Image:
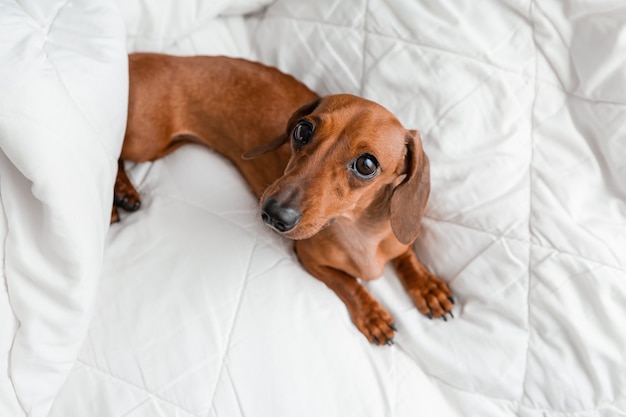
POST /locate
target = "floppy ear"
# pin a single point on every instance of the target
(265, 148)
(279, 141)
(409, 198)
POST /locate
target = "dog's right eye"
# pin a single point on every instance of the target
(303, 132)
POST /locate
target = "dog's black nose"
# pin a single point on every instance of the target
(280, 217)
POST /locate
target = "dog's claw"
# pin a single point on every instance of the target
(451, 300)
(127, 202)
(451, 315)
(444, 318)
(393, 327)
(130, 205)
(388, 342)
(136, 205)
(429, 315)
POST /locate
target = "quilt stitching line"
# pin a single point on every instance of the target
(561, 85)
(391, 397)
(512, 72)
(477, 255)
(232, 383)
(33, 20)
(492, 233)
(395, 38)
(167, 42)
(523, 393)
(45, 31)
(455, 102)
(364, 50)
(532, 78)
(447, 384)
(226, 219)
(143, 389)
(199, 25)
(56, 15)
(516, 403)
(498, 236)
(235, 393)
(94, 129)
(152, 395)
(136, 406)
(233, 323)
(528, 242)
(576, 413)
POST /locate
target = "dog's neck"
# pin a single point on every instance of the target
(366, 231)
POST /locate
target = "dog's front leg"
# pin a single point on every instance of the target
(430, 294)
(366, 313)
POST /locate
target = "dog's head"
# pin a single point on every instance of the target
(351, 158)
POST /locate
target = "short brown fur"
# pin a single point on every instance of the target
(349, 226)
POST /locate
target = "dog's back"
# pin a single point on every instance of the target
(228, 104)
(352, 193)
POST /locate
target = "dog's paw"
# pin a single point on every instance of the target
(129, 202)
(125, 196)
(375, 323)
(433, 298)
(124, 193)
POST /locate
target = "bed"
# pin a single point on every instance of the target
(191, 307)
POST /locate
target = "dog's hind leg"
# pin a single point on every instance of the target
(125, 195)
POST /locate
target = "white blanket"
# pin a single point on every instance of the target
(191, 307)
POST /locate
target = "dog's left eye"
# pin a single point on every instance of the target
(365, 166)
(303, 132)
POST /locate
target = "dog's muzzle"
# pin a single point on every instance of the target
(282, 218)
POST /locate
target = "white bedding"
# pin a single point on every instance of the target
(191, 307)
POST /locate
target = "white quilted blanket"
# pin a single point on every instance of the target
(190, 307)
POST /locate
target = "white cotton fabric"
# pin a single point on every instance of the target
(63, 79)
(199, 310)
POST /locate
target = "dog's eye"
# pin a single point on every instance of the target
(365, 166)
(303, 132)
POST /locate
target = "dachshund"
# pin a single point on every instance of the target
(338, 174)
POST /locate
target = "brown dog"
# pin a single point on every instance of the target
(350, 188)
